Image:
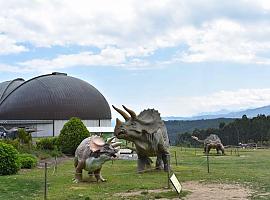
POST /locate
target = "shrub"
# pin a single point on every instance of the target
(71, 135)
(25, 138)
(27, 161)
(15, 143)
(9, 163)
(49, 143)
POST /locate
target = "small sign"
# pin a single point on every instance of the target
(176, 183)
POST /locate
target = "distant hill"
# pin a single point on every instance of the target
(238, 114)
(175, 127)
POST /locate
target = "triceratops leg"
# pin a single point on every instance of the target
(221, 148)
(78, 172)
(143, 163)
(159, 162)
(208, 148)
(217, 148)
(165, 158)
(205, 149)
(98, 175)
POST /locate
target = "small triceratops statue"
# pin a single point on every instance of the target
(149, 134)
(91, 154)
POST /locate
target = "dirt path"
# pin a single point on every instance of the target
(207, 191)
(203, 191)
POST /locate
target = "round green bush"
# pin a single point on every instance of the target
(73, 132)
(9, 162)
(27, 161)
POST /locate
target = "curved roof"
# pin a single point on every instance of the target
(8, 86)
(54, 96)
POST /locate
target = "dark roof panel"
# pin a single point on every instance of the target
(54, 96)
(8, 86)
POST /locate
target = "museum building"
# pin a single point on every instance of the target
(48, 101)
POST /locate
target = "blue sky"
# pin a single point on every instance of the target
(181, 57)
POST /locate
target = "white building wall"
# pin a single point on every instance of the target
(44, 130)
(105, 122)
(58, 124)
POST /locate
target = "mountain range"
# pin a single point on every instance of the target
(225, 114)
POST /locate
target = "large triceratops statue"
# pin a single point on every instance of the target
(149, 134)
(91, 154)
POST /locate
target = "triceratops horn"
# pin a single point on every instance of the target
(131, 112)
(110, 140)
(125, 115)
(116, 144)
(118, 123)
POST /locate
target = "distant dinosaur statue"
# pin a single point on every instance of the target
(211, 142)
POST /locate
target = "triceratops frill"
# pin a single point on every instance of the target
(149, 134)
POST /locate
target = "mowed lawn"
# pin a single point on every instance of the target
(250, 168)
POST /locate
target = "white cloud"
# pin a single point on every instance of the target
(228, 100)
(221, 40)
(210, 30)
(109, 56)
(9, 46)
(9, 68)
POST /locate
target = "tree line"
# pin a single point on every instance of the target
(175, 127)
(243, 130)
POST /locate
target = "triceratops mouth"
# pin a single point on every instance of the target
(122, 133)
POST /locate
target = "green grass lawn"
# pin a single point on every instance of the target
(251, 168)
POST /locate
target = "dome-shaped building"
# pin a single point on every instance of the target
(47, 102)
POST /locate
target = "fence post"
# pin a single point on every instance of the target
(169, 169)
(55, 165)
(207, 158)
(176, 163)
(45, 182)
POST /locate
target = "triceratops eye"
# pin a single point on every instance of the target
(133, 124)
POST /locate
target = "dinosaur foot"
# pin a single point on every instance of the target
(74, 180)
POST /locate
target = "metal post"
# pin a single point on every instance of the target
(169, 169)
(55, 165)
(208, 168)
(45, 182)
(176, 163)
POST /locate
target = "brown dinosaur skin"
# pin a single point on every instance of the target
(86, 159)
(218, 147)
(149, 134)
